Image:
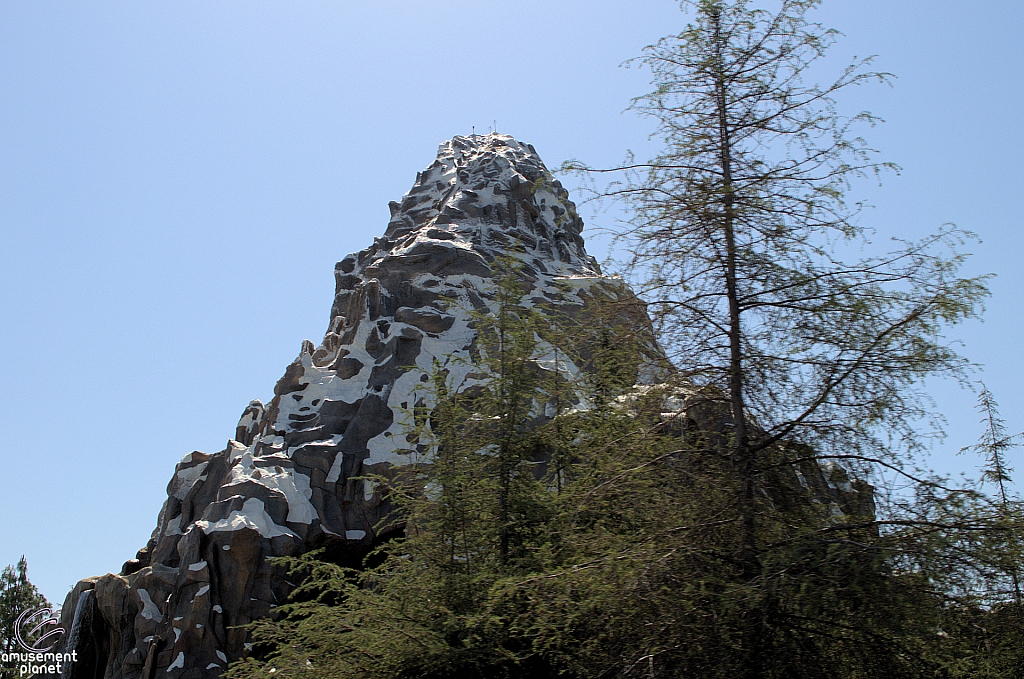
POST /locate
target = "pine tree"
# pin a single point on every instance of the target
(744, 245)
(993, 447)
(17, 595)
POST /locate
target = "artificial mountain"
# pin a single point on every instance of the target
(294, 476)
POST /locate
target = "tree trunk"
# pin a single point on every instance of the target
(742, 454)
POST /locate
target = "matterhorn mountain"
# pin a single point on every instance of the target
(298, 473)
(293, 478)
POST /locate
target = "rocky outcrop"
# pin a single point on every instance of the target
(291, 479)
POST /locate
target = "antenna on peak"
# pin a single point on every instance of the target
(474, 131)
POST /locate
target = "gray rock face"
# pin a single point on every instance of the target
(288, 481)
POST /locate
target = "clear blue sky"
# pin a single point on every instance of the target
(178, 178)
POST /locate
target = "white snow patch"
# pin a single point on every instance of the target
(335, 472)
(294, 486)
(355, 534)
(238, 450)
(178, 662)
(450, 352)
(186, 478)
(173, 526)
(150, 611)
(252, 515)
(198, 566)
(323, 383)
(551, 359)
(389, 446)
(203, 590)
(220, 654)
(218, 609)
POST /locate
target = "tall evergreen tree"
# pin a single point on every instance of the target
(994, 446)
(739, 232)
(17, 595)
(744, 243)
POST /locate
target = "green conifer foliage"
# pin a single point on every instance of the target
(475, 514)
(17, 595)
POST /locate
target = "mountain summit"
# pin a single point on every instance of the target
(293, 476)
